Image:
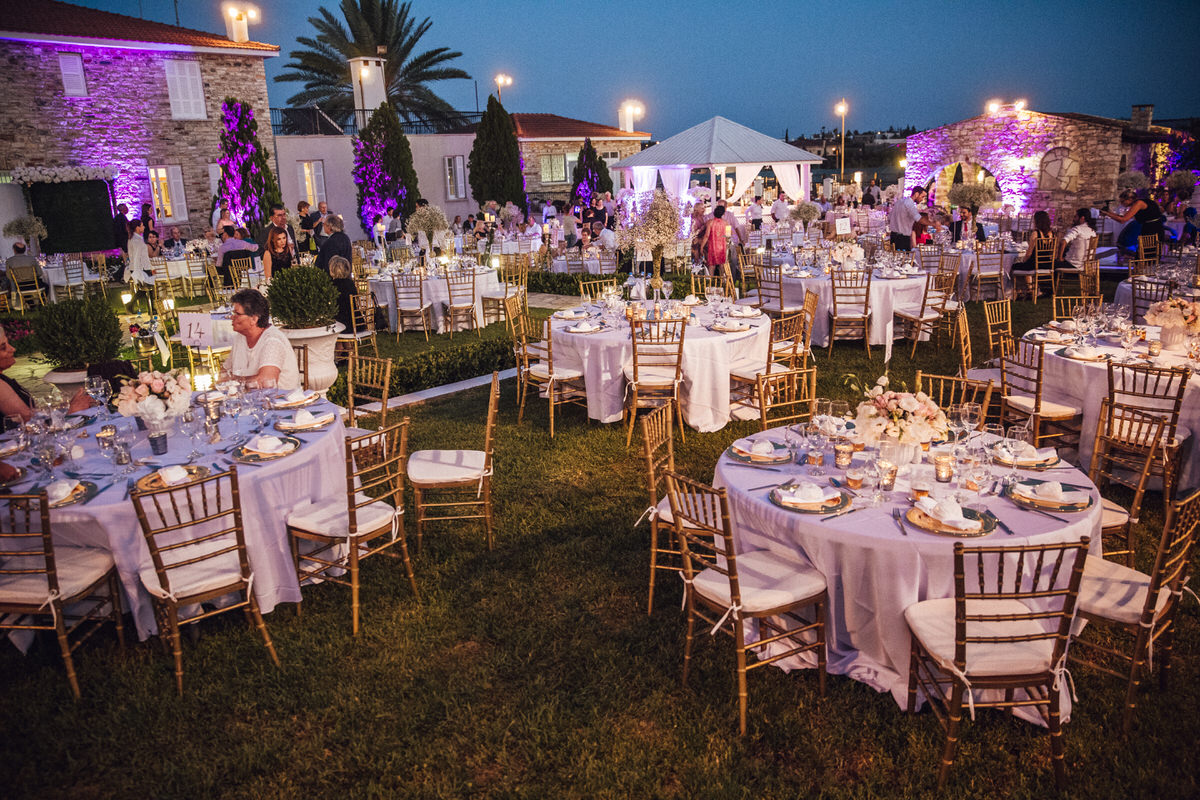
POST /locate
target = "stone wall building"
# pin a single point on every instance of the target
(90, 88)
(550, 148)
(1058, 162)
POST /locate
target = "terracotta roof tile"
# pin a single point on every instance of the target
(552, 126)
(54, 18)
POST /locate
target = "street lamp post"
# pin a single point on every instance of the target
(502, 80)
(841, 110)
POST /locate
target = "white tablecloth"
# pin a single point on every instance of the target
(592, 265)
(873, 571)
(1123, 295)
(268, 492)
(707, 356)
(1084, 384)
(886, 297)
(966, 262)
(435, 292)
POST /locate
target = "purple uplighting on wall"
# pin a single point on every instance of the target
(372, 183)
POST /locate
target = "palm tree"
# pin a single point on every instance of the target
(325, 73)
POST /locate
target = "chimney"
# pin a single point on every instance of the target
(370, 91)
(1142, 116)
(237, 24)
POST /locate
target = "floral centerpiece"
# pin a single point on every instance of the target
(509, 215)
(656, 229)
(891, 193)
(27, 228)
(155, 396)
(431, 220)
(846, 253)
(910, 417)
(805, 213)
(1178, 318)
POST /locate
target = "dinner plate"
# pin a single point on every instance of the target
(154, 481)
(1026, 463)
(746, 458)
(929, 524)
(20, 476)
(282, 402)
(575, 329)
(316, 425)
(722, 329)
(83, 491)
(1099, 356)
(255, 457)
(9, 448)
(831, 506)
(1046, 505)
(569, 315)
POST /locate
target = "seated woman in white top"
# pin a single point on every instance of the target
(260, 350)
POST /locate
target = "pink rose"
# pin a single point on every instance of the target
(157, 386)
(142, 391)
(145, 378)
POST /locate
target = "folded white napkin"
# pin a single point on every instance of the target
(173, 474)
(735, 326)
(267, 444)
(805, 493)
(1062, 325)
(214, 395)
(76, 452)
(1030, 453)
(948, 513)
(755, 448)
(296, 396)
(1052, 491)
(762, 447)
(1082, 351)
(60, 490)
(745, 311)
(221, 310)
(585, 327)
(691, 300)
(302, 417)
(573, 313)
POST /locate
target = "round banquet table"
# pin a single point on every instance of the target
(268, 491)
(873, 571)
(887, 296)
(592, 265)
(1084, 384)
(435, 292)
(1123, 294)
(707, 357)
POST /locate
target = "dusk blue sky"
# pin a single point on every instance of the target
(782, 64)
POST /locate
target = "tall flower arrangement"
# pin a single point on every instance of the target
(912, 418)
(383, 168)
(1176, 312)
(805, 213)
(247, 182)
(430, 219)
(656, 229)
(29, 175)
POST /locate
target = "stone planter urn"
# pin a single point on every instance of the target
(322, 371)
(68, 381)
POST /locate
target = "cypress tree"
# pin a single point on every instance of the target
(494, 165)
(383, 168)
(247, 181)
(591, 173)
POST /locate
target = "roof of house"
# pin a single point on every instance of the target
(552, 126)
(718, 141)
(51, 18)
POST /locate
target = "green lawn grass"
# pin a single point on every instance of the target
(533, 671)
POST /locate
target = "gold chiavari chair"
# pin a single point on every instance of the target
(1065, 305)
(658, 447)
(987, 272)
(196, 280)
(997, 315)
(608, 262)
(198, 548)
(942, 300)
(1006, 628)
(1142, 606)
(929, 255)
(783, 352)
(918, 321)
(1145, 292)
(409, 292)
(71, 585)
(811, 301)
(368, 380)
(1074, 277)
(1158, 391)
(786, 397)
(239, 272)
(948, 390)
(724, 588)
(656, 370)
(460, 303)
(513, 274)
(1149, 252)
(1125, 449)
(362, 334)
(73, 274)
(521, 325)
(702, 284)
(850, 313)
(1089, 281)
(770, 292)
(24, 280)
(368, 520)
(301, 351)
(96, 276)
(1043, 266)
(456, 484)
(575, 262)
(537, 371)
(592, 290)
(1021, 378)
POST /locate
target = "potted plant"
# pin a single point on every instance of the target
(304, 303)
(31, 229)
(72, 334)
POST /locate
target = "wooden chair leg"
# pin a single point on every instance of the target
(1056, 741)
(653, 563)
(354, 588)
(257, 621)
(64, 646)
(743, 696)
(953, 722)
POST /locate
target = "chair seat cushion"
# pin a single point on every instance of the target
(767, 580)
(331, 517)
(651, 375)
(78, 568)
(932, 623)
(985, 375)
(496, 295)
(1112, 514)
(203, 576)
(747, 369)
(445, 466)
(1116, 592)
(542, 370)
(1049, 409)
(348, 337)
(843, 314)
(413, 307)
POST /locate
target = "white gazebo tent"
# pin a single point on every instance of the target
(717, 145)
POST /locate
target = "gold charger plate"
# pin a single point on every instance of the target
(1100, 357)
(1046, 505)
(154, 481)
(917, 517)
(572, 329)
(722, 329)
(778, 457)
(1027, 464)
(256, 457)
(9, 449)
(308, 401)
(83, 491)
(316, 425)
(829, 506)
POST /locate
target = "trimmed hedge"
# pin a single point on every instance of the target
(561, 283)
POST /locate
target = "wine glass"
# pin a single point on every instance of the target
(1129, 337)
(45, 447)
(193, 428)
(123, 441)
(234, 405)
(816, 442)
(1018, 437)
(840, 408)
(971, 414)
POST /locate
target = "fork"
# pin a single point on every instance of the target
(899, 518)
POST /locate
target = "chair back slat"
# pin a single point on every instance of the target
(368, 380)
(948, 390)
(786, 397)
(701, 516)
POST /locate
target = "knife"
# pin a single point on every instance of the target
(1003, 525)
(752, 466)
(843, 513)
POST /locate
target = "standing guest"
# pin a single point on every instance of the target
(549, 212)
(121, 227)
(260, 350)
(395, 226)
(339, 272)
(176, 239)
(278, 256)
(779, 209)
(221, 212)
(868, 198)
(148, 216)
(336, 243)
(903, 216)
(588, 215)
(319, 223)
(570, 227)
(139, 269)
(153, 247)
(304, 240)
(1191, 228)
(279, 221)
(1074, 243)
(714, 244)
(226, 218)
(1141, 208)
(699, 222)
(967, 227)
(379, 229)
(755, 214)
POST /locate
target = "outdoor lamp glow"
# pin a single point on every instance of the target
(840, 109)
(903, 163)
(495, 262)
(365, 73)
(1019, 105)
(125, 298)
(993, 106)
(502, 80)
(252, 14)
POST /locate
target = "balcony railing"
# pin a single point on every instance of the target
(315, 122)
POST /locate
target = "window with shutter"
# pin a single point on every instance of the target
(455, 178)
(166, 189)
(185, 89)
(71, 67)
(310, 176)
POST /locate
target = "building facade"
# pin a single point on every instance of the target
(550, 147)
(90, 88)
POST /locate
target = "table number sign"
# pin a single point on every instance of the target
(841, 226)
(195, 329)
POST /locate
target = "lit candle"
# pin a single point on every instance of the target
(943, 467)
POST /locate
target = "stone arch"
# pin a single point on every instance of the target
(1059, 171)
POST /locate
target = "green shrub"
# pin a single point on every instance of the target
(434, 368)
(303, 297)
(74, 333)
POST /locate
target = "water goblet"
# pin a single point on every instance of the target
(100, 390)
(816, 442)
